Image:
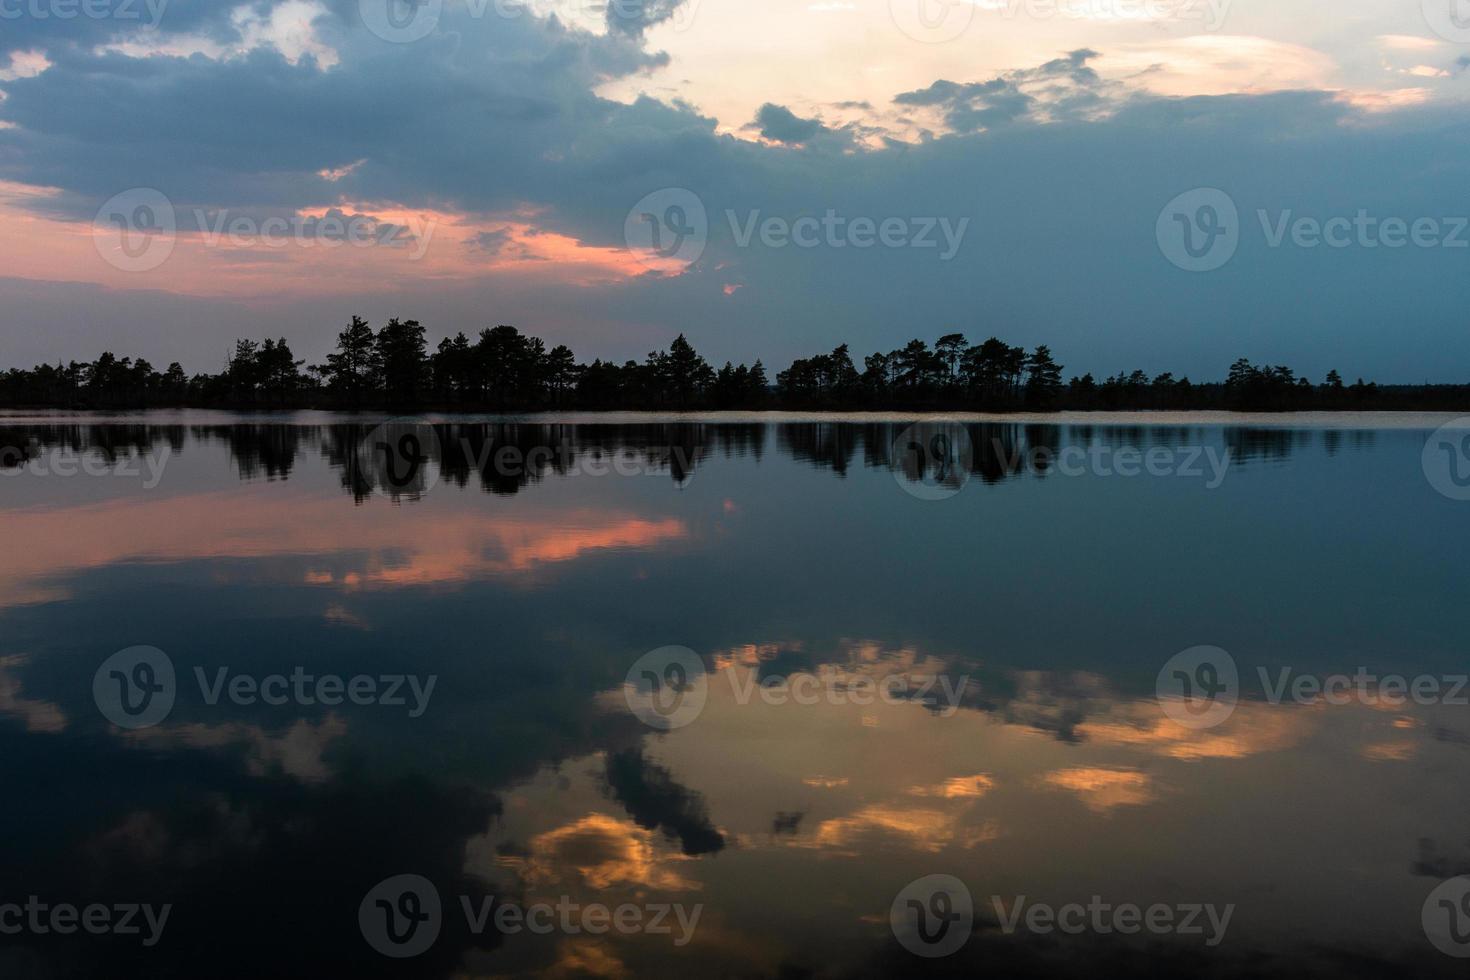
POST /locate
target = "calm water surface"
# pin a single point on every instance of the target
(1012, 599)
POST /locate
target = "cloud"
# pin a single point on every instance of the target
(1408, 42)
(210, 19)
(493, 242)
(495, 127)
(1221, 64)
(781, 125)
(602, 852)
(1254, 728)
(1061, 88)
(633, 17)
(958, 787)
(209, 131)
(24, 64)
(288, 28)
(920, 828)
(1102, 790)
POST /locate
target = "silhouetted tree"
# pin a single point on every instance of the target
(453, 368)
(1043, 378)
(505, 368)
(399, 353)
(682, 372)
(561, 372)
(826, 379)
(949, 349)
(352, 369)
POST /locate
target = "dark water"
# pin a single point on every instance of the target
(962, 633)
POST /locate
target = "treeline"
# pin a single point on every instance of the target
(503, 369)
(994, 376)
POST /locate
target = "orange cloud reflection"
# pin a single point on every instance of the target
(1101, 790)
(1254, 727)
(602, 852)
(439, 546)
(958, 787)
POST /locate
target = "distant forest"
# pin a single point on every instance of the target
(505, 370)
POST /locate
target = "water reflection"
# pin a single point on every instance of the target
(896, 687)
(505, 457)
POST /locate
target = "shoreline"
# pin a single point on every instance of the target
(1172, 417)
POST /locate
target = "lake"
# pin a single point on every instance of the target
(733, 695)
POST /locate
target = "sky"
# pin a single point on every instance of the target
(1156, 184)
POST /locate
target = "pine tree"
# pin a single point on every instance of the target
(352, 368)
